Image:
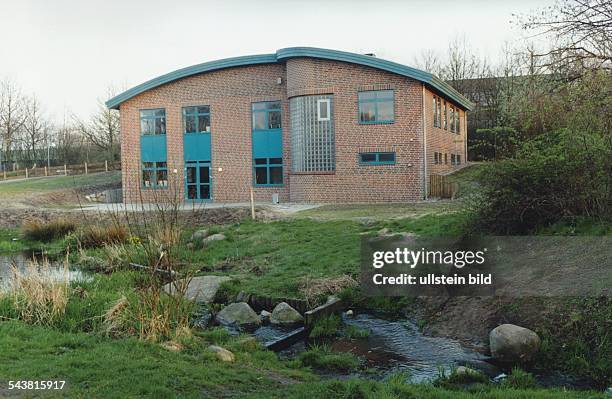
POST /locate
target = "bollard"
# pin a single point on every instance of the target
(106, 166)
(85, 167)
(65, 170)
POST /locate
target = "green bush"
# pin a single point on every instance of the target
(38, 230)
(554, 176)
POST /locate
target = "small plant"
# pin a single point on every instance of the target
(519, 379)
(353, 332)
(326, 326)
(38, 230)
(95, 236)
(321, 357)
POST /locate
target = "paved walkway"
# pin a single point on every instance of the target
(287, 208)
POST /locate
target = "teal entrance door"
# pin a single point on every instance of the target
(198, 181)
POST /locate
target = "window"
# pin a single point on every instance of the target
(452, 159)
(445, 118)
(267, 115)
(435, 111)
(323, 108)
(451, 115)
(154, 174)
(376, 106)
(458, 159)
(457, 119)
(196, 119)
(436, 158)
(377, 158)
(268, 171)
(445, 158)
(153, 122)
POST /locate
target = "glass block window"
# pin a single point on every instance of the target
(196, 119)
(266, 115)
(154, 174)
(377, 158)
(268, 171)
(376, 106)
(152, 121)
(312, 140)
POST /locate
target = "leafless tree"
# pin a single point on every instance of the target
(35, 129)
(12, 118)
(428, 60)
(581, 29)
(102, 129)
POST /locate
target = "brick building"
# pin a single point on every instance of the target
(306, 124)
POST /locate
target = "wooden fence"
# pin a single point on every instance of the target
(441, 186)
(61, 170)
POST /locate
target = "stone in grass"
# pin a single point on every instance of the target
(239, 314)
(199, 289)
(199, 235)
(513, 344)
(284, 314)
(214, 237)
(222, 354)
(265, 316)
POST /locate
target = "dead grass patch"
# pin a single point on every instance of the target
(315, 289)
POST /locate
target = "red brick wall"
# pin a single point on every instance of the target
(230, 93)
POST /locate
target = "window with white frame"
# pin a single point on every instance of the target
(323, 109)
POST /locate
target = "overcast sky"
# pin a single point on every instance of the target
(69, 51)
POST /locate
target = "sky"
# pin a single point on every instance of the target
(68, 52)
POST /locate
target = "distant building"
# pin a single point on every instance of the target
(306, 124)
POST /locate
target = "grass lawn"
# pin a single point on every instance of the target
(42, 184)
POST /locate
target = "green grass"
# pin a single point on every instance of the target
(42, 184)
(322, 358)
(13, 241)
(326, 326)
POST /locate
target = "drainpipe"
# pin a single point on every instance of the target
(425, 188)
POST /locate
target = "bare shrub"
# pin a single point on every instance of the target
(39, 230)
(38, 296)
(94, 236)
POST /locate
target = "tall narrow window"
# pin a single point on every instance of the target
(152, 122)
(439, 112)
(457, 121)
(376, 106)
(435, 111)
(267, 143)
(196, 119)
(445, 117)
(451, 116)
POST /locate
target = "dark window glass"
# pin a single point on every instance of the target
(273, 105)
(204, 123)
(190, 110)
(386, 157)
(458, 159)
(204, 174)
(445, 158)
(204, 109)
(205, 191)
(274, 120)
(276, 175)
(160, 125)
(276, 161)
(191, 175)
(192, 192)
(162, 178)
(190, 124)
(261, 161)
(261, 175)
(368, 157)
(147, 178)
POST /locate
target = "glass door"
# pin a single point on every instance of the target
(198, 181)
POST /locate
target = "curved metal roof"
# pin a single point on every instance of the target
(292, 52)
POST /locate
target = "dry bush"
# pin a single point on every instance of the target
(38, 297)
(116, 321)
(39, 230)
(314, 289)
(94, 236)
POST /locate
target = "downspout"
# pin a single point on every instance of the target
(425, 186)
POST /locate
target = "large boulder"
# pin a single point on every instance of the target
(284, 314)
(513, 344)
(199, 289)
(239, 313)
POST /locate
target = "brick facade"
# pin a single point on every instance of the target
(230, 92)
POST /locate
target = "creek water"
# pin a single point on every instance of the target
(55, 270)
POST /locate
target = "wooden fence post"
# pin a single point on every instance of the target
(26, 169)
(65, 170)
(106, 166)
(85, 167)
(4, 174)
(46, 171)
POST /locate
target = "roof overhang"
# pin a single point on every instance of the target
(293, 52)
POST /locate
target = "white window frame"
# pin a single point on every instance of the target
(328, 107)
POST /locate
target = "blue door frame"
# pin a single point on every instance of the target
(198, 181)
